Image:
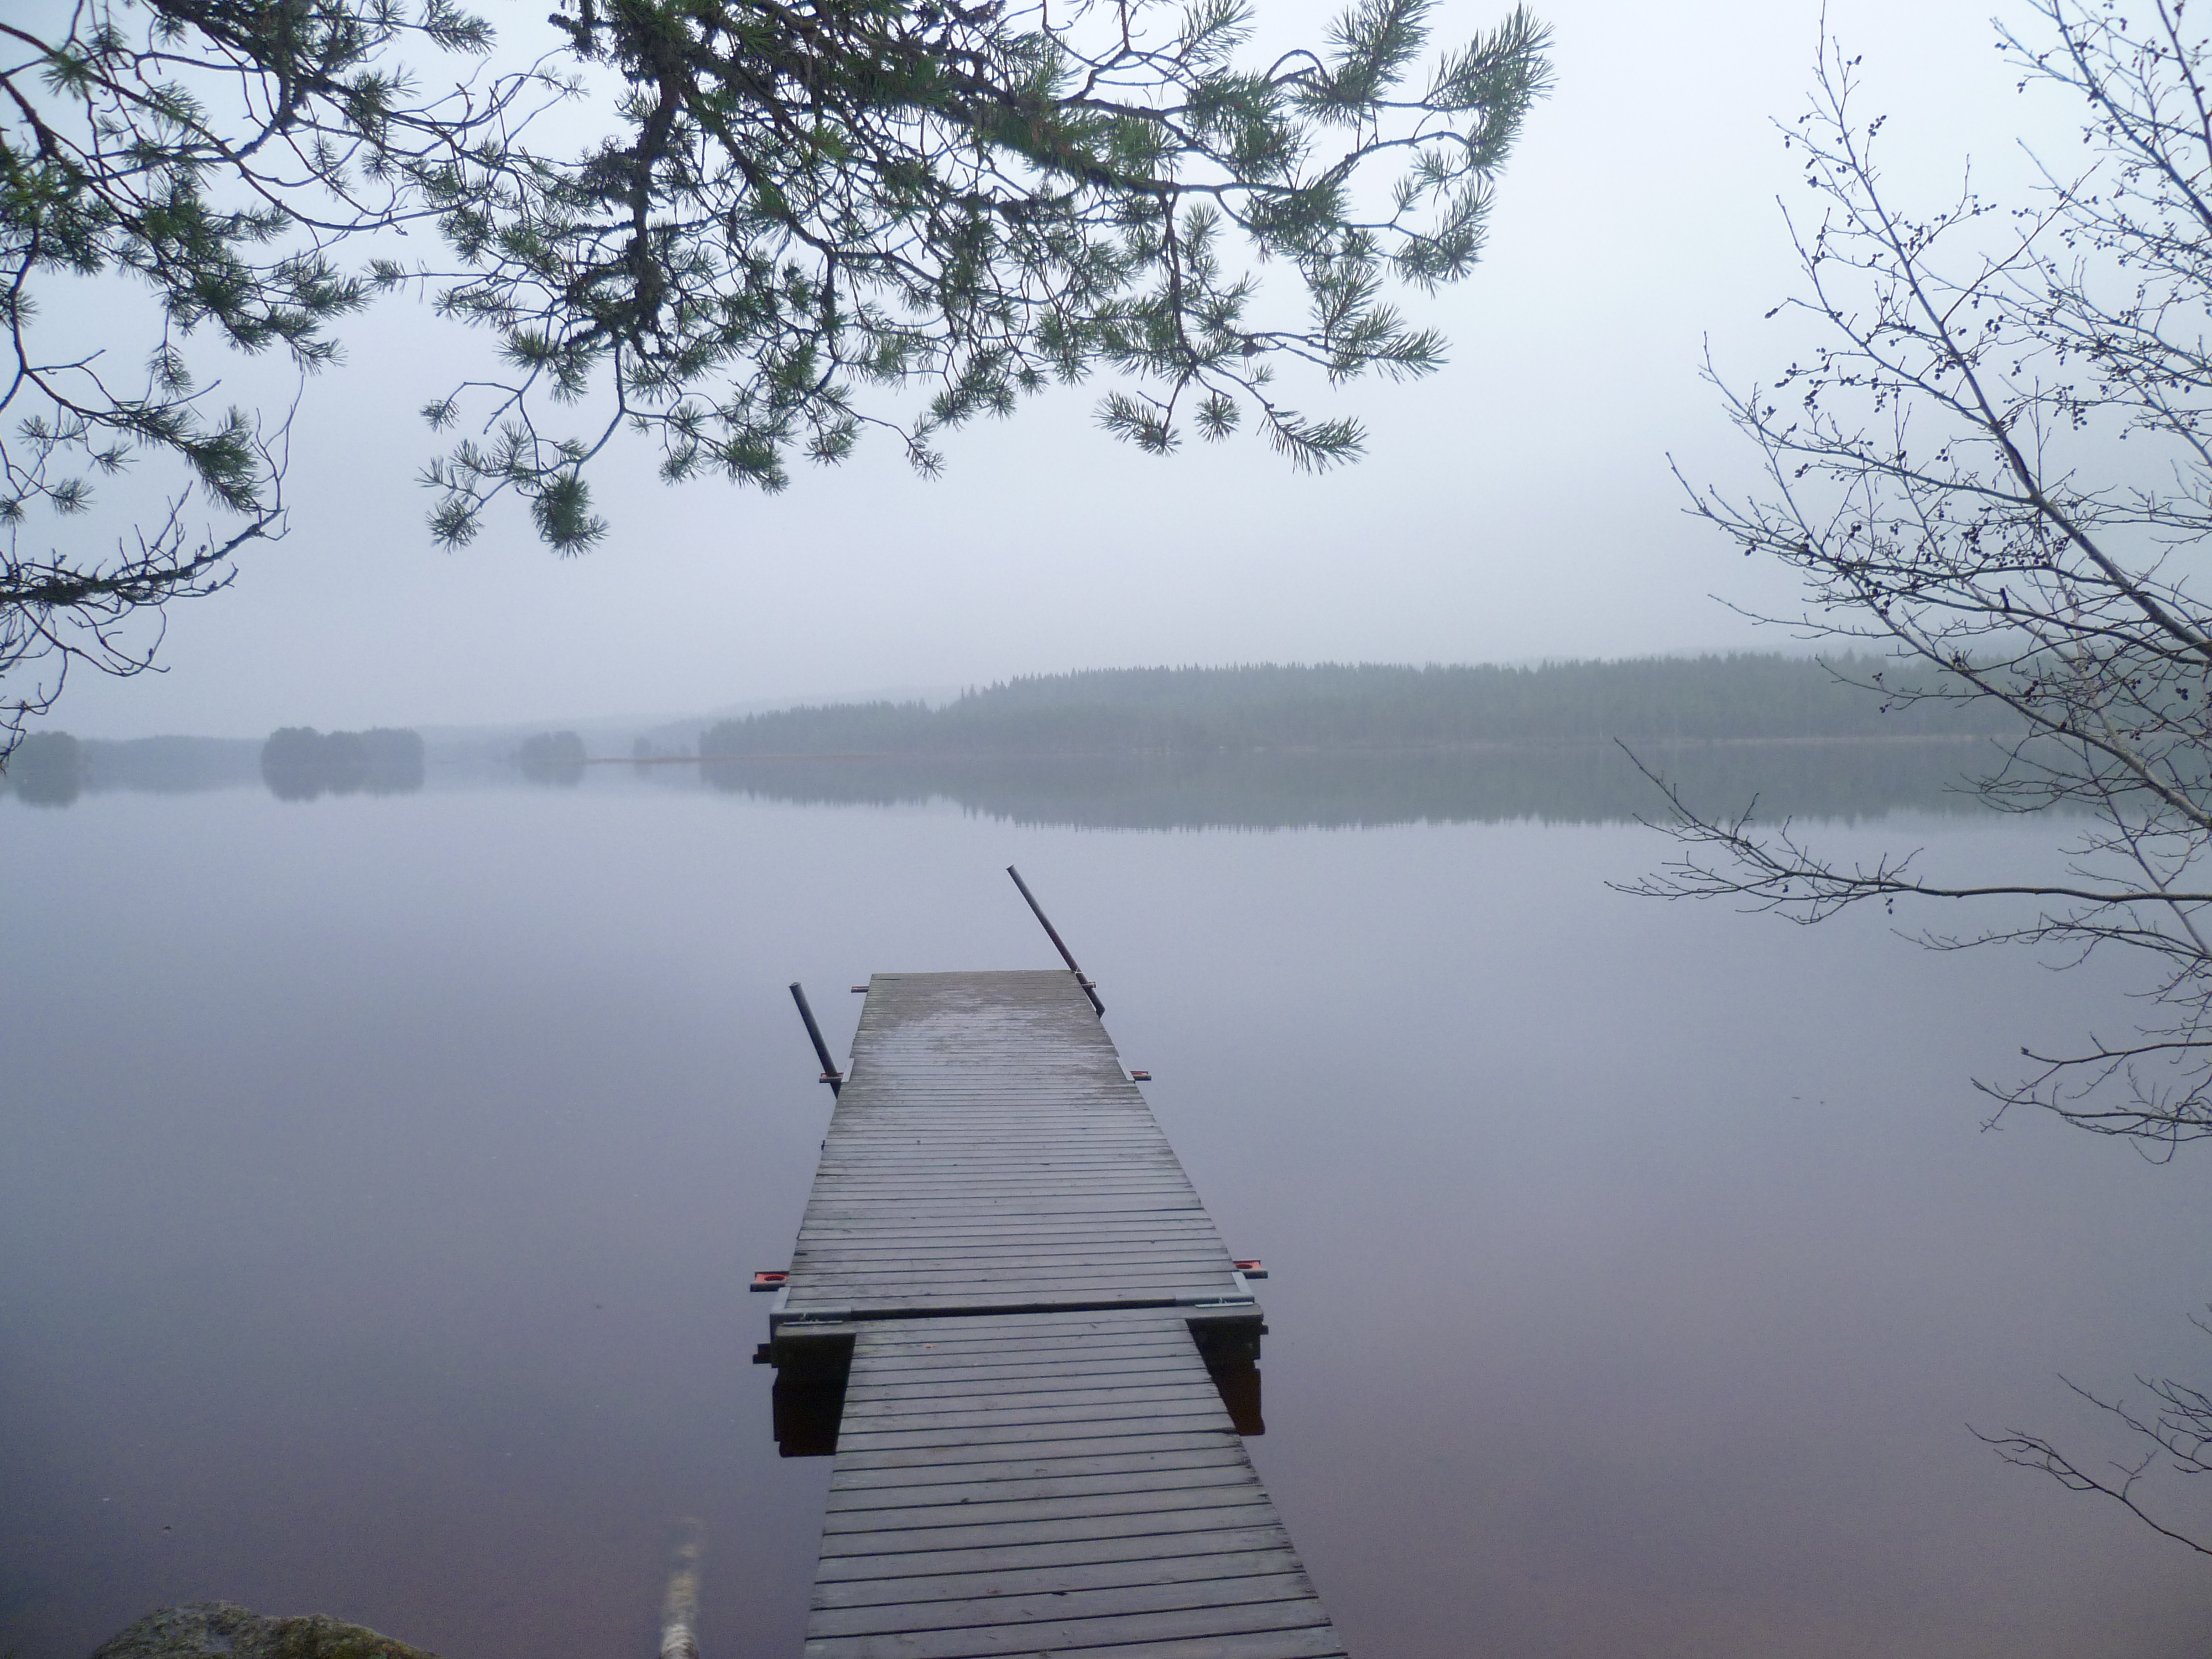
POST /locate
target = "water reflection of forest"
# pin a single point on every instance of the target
(1586, 782)
(1569, 783)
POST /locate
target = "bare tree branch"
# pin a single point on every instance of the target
(1994, 465)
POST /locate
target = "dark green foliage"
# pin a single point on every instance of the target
(213, 155)
(1368, 706)
(786, 227)
(798, 212)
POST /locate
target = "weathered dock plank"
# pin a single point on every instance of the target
(988, 1117)
(1146, 1551)
(1006, 1271)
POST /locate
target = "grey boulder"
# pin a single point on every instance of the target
(223, 1630)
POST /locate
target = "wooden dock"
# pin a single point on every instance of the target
(1013, 1320)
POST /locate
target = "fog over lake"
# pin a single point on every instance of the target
(381, 1176)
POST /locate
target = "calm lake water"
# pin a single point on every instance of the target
(379, 1178)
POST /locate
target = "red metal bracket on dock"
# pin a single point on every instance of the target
(1252, 1269)
(769, 1281)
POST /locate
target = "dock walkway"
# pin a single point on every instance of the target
(1036, 1329)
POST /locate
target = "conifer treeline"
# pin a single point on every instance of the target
(1365, 706)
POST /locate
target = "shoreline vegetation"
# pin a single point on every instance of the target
(1333, 707)
(1265, 745)
(300, 763)
(1364, 746)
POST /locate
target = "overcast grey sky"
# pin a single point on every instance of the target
(1517, 505)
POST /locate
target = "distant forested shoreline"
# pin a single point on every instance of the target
(298, 762)
(53, 768)
(1370, 706)
(1142, 731)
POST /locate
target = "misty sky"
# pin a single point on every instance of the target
(1516, 506)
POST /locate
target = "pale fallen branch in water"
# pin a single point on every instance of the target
(680, 1605)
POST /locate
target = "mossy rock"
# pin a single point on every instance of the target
(222, 1630)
